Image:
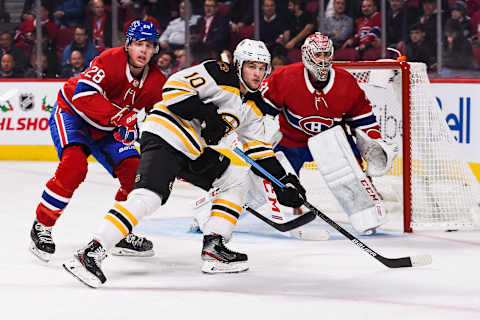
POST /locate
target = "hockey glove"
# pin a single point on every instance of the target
(213, 125)
(127, 135)
(294, 195)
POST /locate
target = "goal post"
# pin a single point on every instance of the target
(438, 189)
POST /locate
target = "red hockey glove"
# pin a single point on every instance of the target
(127, 117)
(127, 135)
(126, 122)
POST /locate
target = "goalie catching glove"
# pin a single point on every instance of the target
(126, 130)
(377, 153)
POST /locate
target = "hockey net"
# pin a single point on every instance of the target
(429, 187)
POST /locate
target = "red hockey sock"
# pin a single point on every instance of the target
(70, 172)
(126, 171)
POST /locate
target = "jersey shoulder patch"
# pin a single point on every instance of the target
(223, 73)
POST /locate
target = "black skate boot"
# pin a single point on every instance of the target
(85, 264)
(42, 244)
(133, 246)
(219, 259)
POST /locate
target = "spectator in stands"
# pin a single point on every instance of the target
(163, 11)
(417, 49)
(75, 66)
(241, 14)
(339, 27)
(301, 24)
(82, 43)
(180, 60)
(278, 61)
(6, 46)
(165, 63)
(457, 50)
(366, 42)
(31, 24)
(49, 70)
(7, 67)
(399, 19)
(139, 12)
(174, 36)
(215, 29)
(99, 26)
(429, 20)
(29, 7)
(459, 13)
(273, 27)
(70, 13)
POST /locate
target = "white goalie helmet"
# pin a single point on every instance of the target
(314, 45)
(251, 50)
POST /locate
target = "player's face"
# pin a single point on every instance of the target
(321, 57)
(253, 73)
(140, 53)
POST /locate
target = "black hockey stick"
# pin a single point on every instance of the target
(287, 226)
(413, 261)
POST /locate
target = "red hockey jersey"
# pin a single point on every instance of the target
(304, 111)
(107, 86)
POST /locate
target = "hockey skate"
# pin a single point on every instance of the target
(219, 259)
(42, 245)
(133, 246)
(85, 265)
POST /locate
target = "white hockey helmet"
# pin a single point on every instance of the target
(314, 44)
(251, 50)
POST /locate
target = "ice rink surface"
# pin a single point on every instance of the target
(288, 278)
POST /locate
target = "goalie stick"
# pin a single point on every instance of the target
(413, 261)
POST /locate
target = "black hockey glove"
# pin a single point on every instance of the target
(294, 195)
(213, 125)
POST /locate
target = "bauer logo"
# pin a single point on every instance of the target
(459, 123)
(315, 124)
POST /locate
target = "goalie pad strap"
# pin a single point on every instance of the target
(346, 180)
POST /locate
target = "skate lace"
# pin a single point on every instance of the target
(44, 233)
(222, 243)
(98, 255)
(136, 241)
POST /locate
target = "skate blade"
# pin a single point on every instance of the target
(42, 255)
(215, 266)
(123, 252)
(313, 234)
(75, 268)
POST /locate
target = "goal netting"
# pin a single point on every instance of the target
(430, 186)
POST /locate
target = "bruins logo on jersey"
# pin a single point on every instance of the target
(223, 66)
(232, 121)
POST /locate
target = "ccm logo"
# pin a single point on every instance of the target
(315, 124)
(370, 190)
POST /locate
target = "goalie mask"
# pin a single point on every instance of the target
(317, 55)
(251, 50)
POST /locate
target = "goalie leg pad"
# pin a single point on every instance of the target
(346, 180)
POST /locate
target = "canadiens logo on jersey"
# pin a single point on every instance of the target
(315, 124)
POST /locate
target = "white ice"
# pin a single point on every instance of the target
(288, 278)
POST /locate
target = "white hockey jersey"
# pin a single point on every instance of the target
(213, 82)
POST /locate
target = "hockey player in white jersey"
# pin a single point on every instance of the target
(200, 106)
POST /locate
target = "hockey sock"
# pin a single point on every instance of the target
(58, 191)
(123, 217)
(126, 171)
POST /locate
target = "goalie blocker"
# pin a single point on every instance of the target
(346, 180)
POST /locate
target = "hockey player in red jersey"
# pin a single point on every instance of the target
(96, 114)
(313, 96)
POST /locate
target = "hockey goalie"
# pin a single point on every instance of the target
(327, 118)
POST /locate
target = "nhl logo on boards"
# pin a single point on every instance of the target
(26, 101)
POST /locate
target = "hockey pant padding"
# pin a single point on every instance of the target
(125, 172)
(226, 208)
(123, 217)
(346, 180)
(70, 173)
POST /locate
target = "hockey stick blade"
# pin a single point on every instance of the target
(287, 226)
(414, 261)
